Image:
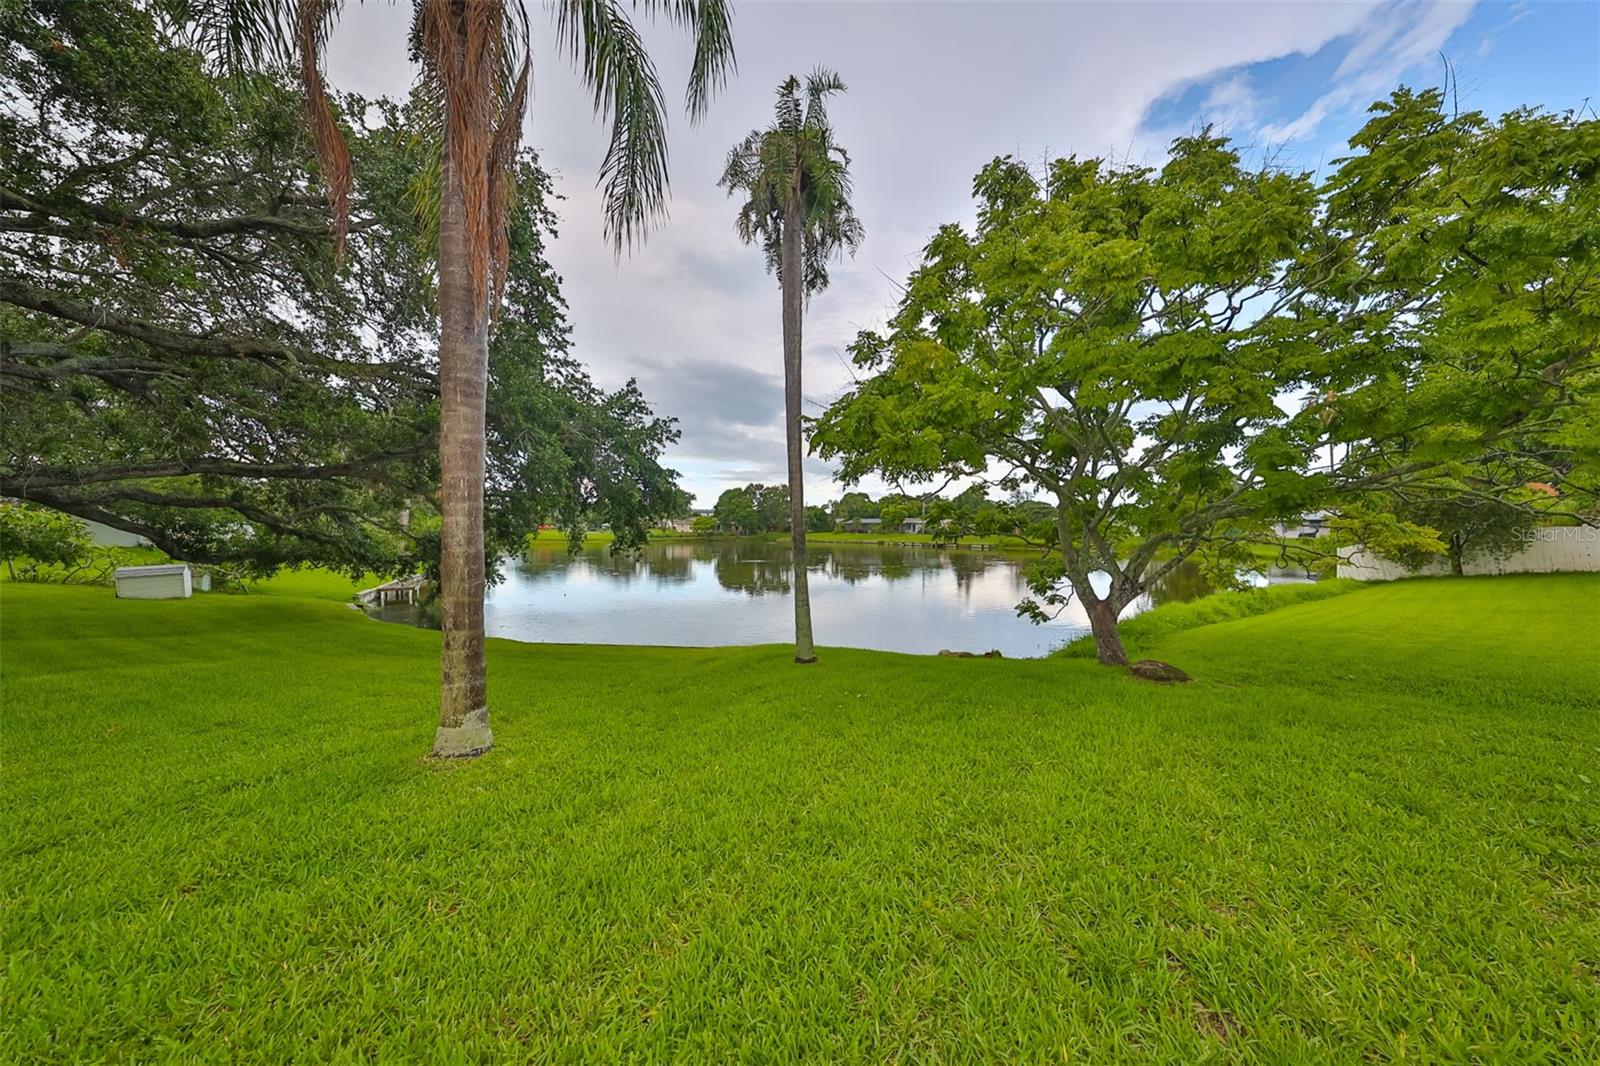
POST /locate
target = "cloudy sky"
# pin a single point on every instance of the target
(936, 90)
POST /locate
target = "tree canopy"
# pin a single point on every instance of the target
(754, 508)
(794, 172)
(185, 357)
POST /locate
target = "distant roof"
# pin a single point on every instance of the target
(151, 571)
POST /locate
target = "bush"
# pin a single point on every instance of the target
(35, 541)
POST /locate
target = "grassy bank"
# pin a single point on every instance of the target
(1144, 632)
(997, 542)
(1368, 830)
(599, 537)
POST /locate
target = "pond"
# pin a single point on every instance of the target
(705, 593)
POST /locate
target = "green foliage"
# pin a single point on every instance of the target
(184, 357)
(793, 173)
(1367, 834)
(173, 313)
(818, 520)
(853, 505)
(1122, 340)
(895, 511)
(1092, 336)
(754, 508)
(735, 511)
(42, 537)
(611, 57)
(703, 525)
(1465, 524)
(1469, 297)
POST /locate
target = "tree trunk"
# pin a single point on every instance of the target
(793, 295)
(1457, 551)
(463, 380)
(1103, 624)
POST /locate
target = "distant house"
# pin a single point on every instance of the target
(1312, 525)
(110, 536)
(875, 525)
(685, 523)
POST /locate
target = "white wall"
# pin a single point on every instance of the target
(1566, 549)
(101, 533)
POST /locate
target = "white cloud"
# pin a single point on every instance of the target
(1390, 44)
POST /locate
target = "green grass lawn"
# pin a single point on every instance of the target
(1368, 831)
(597, 537)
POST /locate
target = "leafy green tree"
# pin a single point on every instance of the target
(796, 184)
(895, 511)
(1468, 523)
(1121, 339)
(1092, 336)
(970, 499)
(181, 358)
(196, 365)
(854, 505)
(773, 507)
(212, 382)
(703, 525)
(818, 520)
(735, 511)
(40, 536)
(1465, 308)
(474, 66)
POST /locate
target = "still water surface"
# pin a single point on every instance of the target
(709, 593)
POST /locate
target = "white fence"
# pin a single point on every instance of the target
(1550, 549)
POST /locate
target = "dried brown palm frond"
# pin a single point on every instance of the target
(474, 56)
(312, 23)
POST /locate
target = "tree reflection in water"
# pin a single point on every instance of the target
(717, 592)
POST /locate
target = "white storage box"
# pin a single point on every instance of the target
(170, 581)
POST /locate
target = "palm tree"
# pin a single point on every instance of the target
(474, 59)
(796, 183)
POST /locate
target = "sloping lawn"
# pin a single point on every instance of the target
(1369, 830)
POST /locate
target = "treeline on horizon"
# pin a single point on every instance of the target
(760, 508)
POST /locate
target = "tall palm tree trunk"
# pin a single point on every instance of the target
(793, 295)
(463, 375)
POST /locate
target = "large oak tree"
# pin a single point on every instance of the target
(184, 355)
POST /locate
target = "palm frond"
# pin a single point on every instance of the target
(796, 157)
(820, 84)
(237, 35)
(312, 25)
(475, 62)
(502, 181)
(788, 108)
(711, 22)
(613, 60)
